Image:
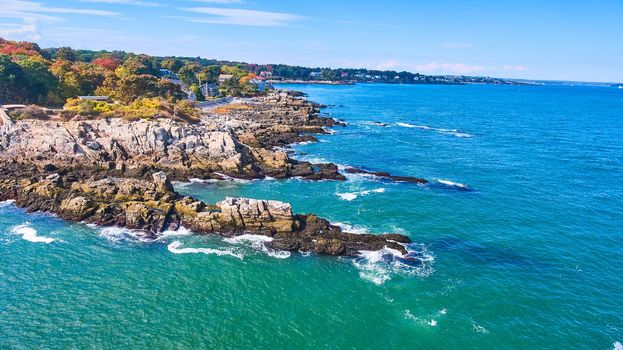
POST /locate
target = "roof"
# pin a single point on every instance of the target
(95, 98)
(225, 76)
(13, 106)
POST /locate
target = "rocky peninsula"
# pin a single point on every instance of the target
(117, 172)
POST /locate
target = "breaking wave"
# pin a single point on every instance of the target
(175, 248)
(349, 196)
(258, 242)
(30, 234)
(7, 203)
(120, 234)
(351, 228)
(382, 265)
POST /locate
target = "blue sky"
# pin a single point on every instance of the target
(567, 40)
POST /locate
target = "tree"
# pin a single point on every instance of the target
(230, 87)
(12, 81)
(136, 65)
(107, 62)
(39, 80)
(172, 64)
(187, 74)
(67, 54)
(209, 74)
(197, 91)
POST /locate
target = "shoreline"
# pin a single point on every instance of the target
(88, 171)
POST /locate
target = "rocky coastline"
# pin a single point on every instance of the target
(116, 172)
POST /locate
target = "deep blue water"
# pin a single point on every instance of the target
(530, 257)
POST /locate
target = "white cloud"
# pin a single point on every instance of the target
(32, 13)
(241, 17)
(27, 31)
(454, 45)
(124, 2)
(455, 68)
(30, 9)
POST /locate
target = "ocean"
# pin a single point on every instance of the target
(519, 233)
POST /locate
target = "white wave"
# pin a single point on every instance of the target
(329, 131)
(480, 329)
(432, 323)
(7, 203)
(302, 143)
(443, 311)
(452, 184)
(349, 196)
(351, 228)
(380, 266)
(617, 345)
(258, 242)
(120, 234)
(174, 247)
(30, 234)
(182, 231)
(406, 125)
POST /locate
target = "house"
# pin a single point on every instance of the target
(94, 98)
(167, 74)
(315, 75)
(259, 83)
(209, 90)
(344, 75)
(265, 74)
(223, 77)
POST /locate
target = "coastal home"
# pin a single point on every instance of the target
(259, 83)
(314, 75)
(209, 90)
(167, 74)
(344, 75)
(94, 98)
(265, 74)
(223, 77)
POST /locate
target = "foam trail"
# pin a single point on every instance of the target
(617, 346)
(174, 247)
(258, 242)
(30, 234)
(452, 132)
(182, 231)
(453, 184)
(349, 196)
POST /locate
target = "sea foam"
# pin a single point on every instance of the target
(451, 132)
(349, 196)
(382, 265)
(258, 242)
(7, 203)
(175, 248)
(30, 234)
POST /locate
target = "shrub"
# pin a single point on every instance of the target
(30, 112)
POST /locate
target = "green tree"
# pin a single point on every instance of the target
(39, 80)
(209, 74)
(67, 54)
(197, 91)
(230, 87)
(188, 73)
(12, 82)
(172, 64)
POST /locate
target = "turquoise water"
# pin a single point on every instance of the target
(531, 257)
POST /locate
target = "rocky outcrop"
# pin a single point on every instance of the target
(240, 143)
(153, 206)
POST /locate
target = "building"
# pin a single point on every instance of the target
(315, 75)
(259, 83)
(223, 77)
(94, 98)
(167, 74)
(265, 74)
(209, 90)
